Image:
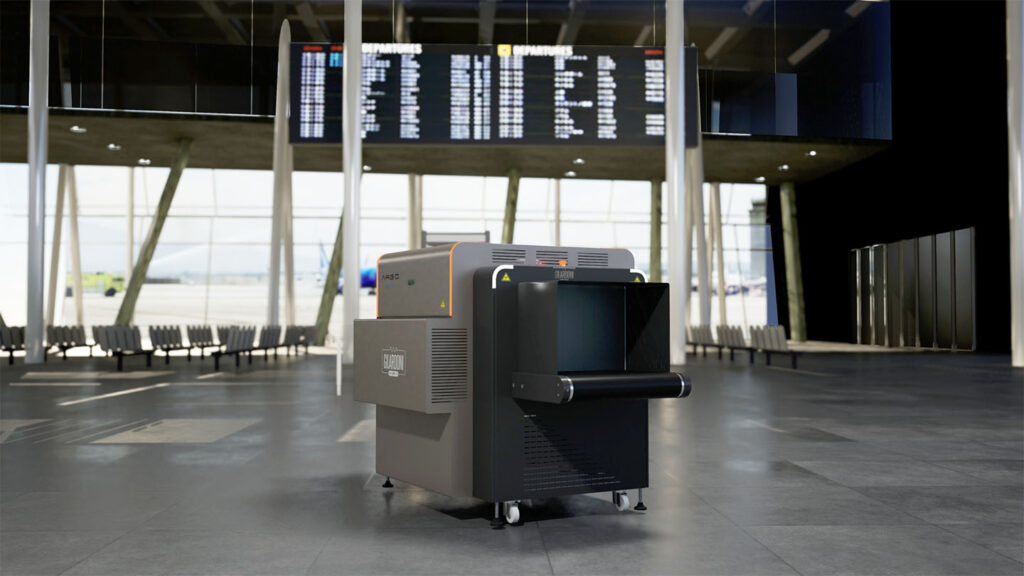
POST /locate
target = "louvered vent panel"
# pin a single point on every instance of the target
(449, 365)
(552, 257)
(552, 461)
(592, 260)
(508, 256)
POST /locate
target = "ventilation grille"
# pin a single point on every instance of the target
(592, 260)
(553, 462)
(552, 257)
(508, 255)
(449, 365)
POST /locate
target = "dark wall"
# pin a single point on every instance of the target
(946, 169)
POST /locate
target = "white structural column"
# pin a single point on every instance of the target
(415, 211)
(794, 270)
(1015, 115)
(51, 301)
(352, 165)
(76, 254)
(130, 227)
(282, 175)
(288, 239)
(38, 74)
(716, 235)
(695, 173)
(558, 211)
(675, 178)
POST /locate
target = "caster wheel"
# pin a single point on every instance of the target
(512, 512)
(621, 501)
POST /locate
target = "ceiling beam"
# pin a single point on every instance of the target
(141, 28)
(226, 27)
(485, 32)
(305, 12)
(571, 27)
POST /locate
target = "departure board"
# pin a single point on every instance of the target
(504, 94)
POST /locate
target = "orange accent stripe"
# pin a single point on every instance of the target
(450, 303)
(377, 297)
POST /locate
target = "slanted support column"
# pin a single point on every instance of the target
(130, 226)
(288, 239)
(716, 235)
(323, 315)
(675, 179)
(38, 118)
(131, 293)
(794, 274)
(415, 211)
(1015, 116)
(51, 301)
(655, 230)
(511, 199)
(282, 174)
(352, 165)
(76, 251)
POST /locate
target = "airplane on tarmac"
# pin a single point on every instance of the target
(367, 276)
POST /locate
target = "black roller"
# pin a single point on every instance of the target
(581, 386)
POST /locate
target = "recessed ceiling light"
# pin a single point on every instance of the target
(570, 174)
(759, 179)
(811, 154)
(579, 161)
(113, 147)
(367, 168)
(145, 161)
(783, 167)
(79, 129)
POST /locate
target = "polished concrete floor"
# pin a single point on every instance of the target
(855, 464)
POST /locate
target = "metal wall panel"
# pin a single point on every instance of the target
(908, 269)
(893, 315)
(963, 266)
(853, 269)
(865, 295)
(944, 331)
(926, 291)
(878, 293)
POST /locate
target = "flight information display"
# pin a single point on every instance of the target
(503, 94)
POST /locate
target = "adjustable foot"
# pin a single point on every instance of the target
(640, 501)
(387, 483)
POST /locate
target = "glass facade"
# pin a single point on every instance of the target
(211, 263)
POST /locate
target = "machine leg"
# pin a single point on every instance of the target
(250, 356)
(238, 359)
(640, 501)
(387, 482)
(149, 360)
(189, 352)
(167, 356)
(119, 364)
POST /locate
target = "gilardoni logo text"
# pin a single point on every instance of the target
(392, 362)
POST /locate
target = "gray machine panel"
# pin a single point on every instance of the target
(944, 290)
(425, 318)
(963, 263)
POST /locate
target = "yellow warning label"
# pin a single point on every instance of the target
(505, 278)
(636, 279)
(442, 303)
(504, 49)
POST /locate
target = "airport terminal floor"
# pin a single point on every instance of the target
(854, 464)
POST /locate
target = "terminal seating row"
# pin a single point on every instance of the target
(12, 339)
(121, 341)
(767, 339)
(64, 338)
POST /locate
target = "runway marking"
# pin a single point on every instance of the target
(181, 430)
(8, 427)
(212, 375)
(808, 372)
(55, 383)
(45, 429)
(361, 432)
(112, 394)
